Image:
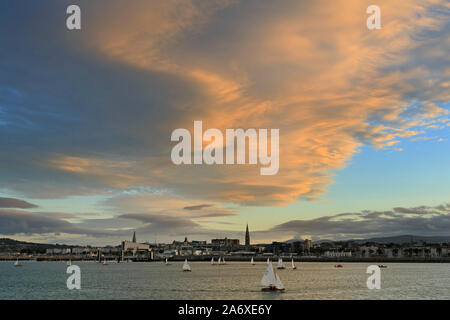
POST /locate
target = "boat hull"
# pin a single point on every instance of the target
(271, 289)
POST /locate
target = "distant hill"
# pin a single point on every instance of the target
(11, 245)
(408, 239)
(395, 239)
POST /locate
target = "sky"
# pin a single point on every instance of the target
(86, 118)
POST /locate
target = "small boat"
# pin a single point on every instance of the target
(280, 264)
(293, 265)
(223, 260)
(212, 261)
(219, 261)
(382, 266)
(186, 266)
(271, 281)
(69, 263)
(338, 266)
(268, 261)
(17, 264)
(104, 262)
(167, 262)
(252, 262)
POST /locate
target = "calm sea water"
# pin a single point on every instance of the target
(235, 280)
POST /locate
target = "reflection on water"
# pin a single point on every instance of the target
(235, 280)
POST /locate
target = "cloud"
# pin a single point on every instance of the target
(423, 210)
(165, 203)
(197, 207)
(14, 222)
(102, 124)
(421, 220)
(15, 203)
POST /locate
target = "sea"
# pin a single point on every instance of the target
(234, 280)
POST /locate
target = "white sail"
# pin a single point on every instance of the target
(268, 278)
(280, 264)
(252, 261)
(186, 266)
(268, 261)
(212, 260)
(16, 263)
(293, 265)
(223, 260)
(166, 260)
(218, 261)
(278, 283)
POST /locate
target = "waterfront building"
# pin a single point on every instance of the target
(78, 250)
(225, 242)
(134, 246)
(337, 254)
(308, 244)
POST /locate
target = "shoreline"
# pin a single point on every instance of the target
(207, 259)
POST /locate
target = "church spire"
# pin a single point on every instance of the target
(247, 237)
(134, 237)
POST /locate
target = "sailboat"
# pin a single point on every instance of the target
(212, 261)
(167, 262)
(293, 265)
(268, 261)
(17, 264)
(218, 261)
(252, 262)
(69, 263)
(223, 260)
(280, 264)
(186, 266)
(279, 285)
(270, 281)
(104, 262)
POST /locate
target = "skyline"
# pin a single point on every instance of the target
(86, 118)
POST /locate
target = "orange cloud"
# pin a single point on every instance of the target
(311, 69)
